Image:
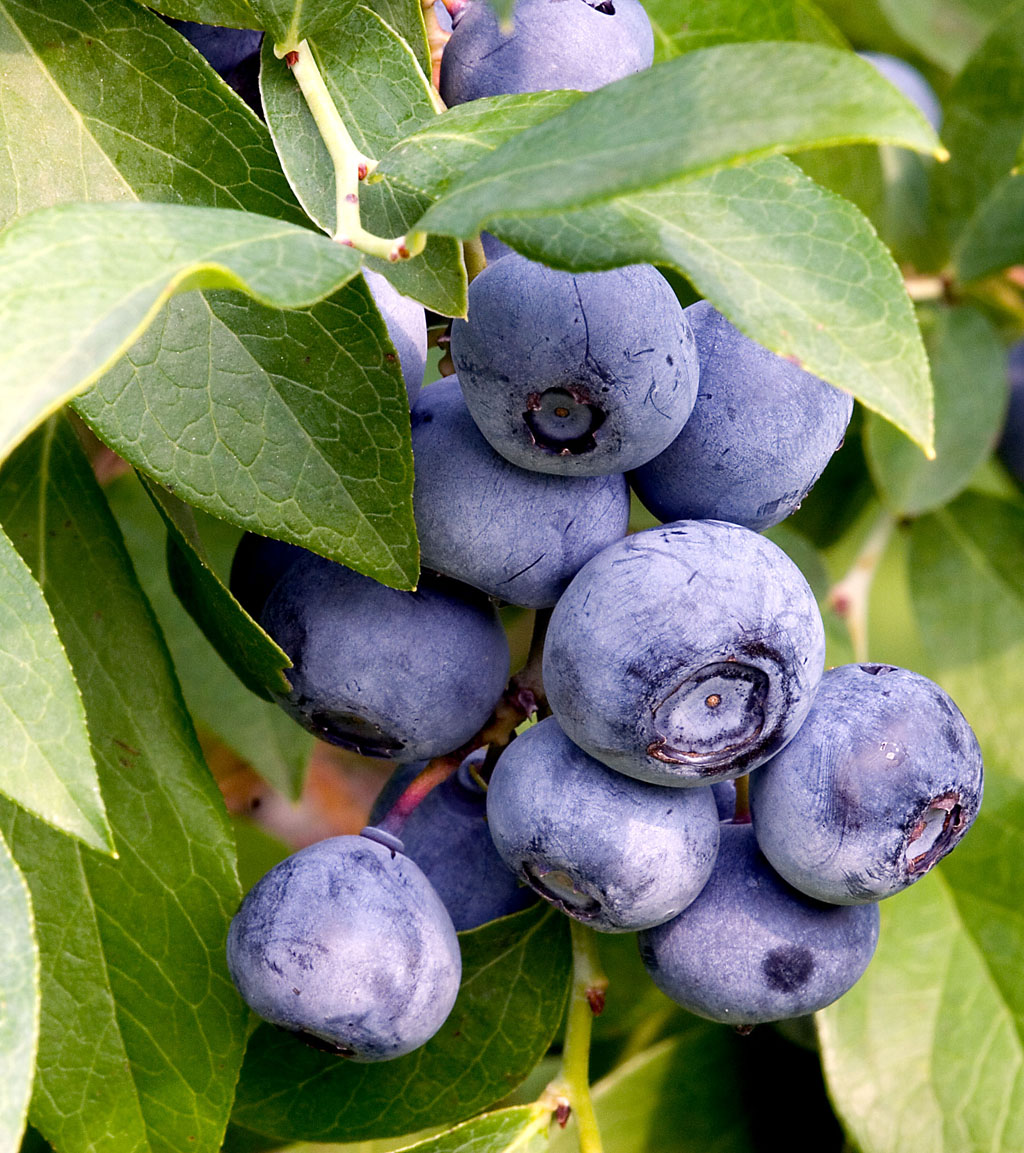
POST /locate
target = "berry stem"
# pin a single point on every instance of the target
(849, 596)
(572, 1086)
(437, 38)
(741, 813)
(350, 165)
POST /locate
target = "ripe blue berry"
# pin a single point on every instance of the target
(880, 783)
(752, 949)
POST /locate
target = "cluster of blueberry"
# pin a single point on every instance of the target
(676, 660)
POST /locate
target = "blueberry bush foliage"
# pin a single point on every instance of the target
(169, 289)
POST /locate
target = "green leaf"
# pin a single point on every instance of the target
(440, 152)
(797, 268)
(228, 13)
(925, 1051)
(47, 762)
(19, 996)
(255, 658)
(946, 31)
(80, 283)
(522, 1129)
(294, 424)
(984, 122)
(382, 94)
(994, 236)
(683, 25)
(962, 345)
(142, 1031)
(262, 734)
(515, 978)
(289, 22)
(684, 1094)
(101, 100)
(712, 107)
(967, 584)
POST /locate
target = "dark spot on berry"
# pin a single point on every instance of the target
(788, 968)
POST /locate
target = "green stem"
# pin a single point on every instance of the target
(850, 596)
(573, 1082)
(350, 165)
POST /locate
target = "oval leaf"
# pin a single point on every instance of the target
(80, 283)
(48, 766)
(515, 979)
(136, 994)
(19, 998)
(709, 108)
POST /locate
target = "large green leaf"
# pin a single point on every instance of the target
(712, 107)
(683, 25)
(262, 734)
(289, 22)
(946, 31)
(142, 1031)
(256, 659)
(984, 121)
(294, 423)
(515, 977)
(100, 100)
(963, 346)
(927, 1050)
(516, 1130)
(79, 283)
(380, 90)
(19, 998)
(47, 762)
(967, 583)
(229, 13)
(684, 1094)
(796, 268)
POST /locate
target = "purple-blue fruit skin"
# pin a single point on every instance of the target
(579, 374)
(881, 782)
(406, 323)
(258, 564)
(552, 44)
(615, 853)
(399, 675)
(346, 942)
(751, 949)
(447, 836)
(685, 654)
(760, 434)
(519, 536)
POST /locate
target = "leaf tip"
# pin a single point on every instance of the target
(941, 153)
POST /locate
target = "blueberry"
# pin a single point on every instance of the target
(234, 53)
(581, 374)
(752, 949)
(520, 536)
(760, 434)
(407, 326)
(386, 673)
(881, 782)
(685, 654)
(910, 82)
(346, 943)
(615, 853)
(258, 564)
(552, 44)
(1011, 443)
(447, 836)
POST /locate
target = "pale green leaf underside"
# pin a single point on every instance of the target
(712, 107)
(19, 1000)
(946, 31)
(80, 283)
(927, 1050)
(46, 763)
(516, 1130)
